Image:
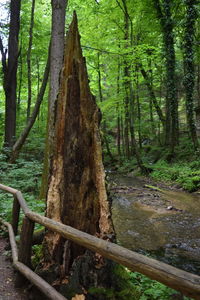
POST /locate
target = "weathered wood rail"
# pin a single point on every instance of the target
(186, 283)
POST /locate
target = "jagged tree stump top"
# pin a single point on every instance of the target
(76, 193)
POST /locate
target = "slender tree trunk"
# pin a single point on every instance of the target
(126, 123)
(57, 48)
(189, 76)
(76, 193)
(10, 73)
(20, 81)
(132, 120)
(22, 138)
(122, 134)
(126, 84)
(152, 95)
(129, 96)
(99, 78)
(153, 128)
(138, 109)
(166, 21)
(104, 126)
(118, 115)
(118, 133)
(38, 82)
(56, 60)
(29, 59)
(197, 109)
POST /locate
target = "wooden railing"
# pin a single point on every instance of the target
(186, 283)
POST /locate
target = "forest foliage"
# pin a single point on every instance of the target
(129, 68)
(143, 62)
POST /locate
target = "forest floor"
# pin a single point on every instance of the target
(7, 287)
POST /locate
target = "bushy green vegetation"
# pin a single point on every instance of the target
(151, 289)
(23, 175)
(182, 170)
(135, 286)
(186, 175)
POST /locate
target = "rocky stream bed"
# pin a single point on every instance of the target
(157, 220)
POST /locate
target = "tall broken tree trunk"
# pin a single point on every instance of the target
(76, 193)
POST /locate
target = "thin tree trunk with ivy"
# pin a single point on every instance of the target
(129, 95)
(126, 84)
(189, 72)
(165, 16)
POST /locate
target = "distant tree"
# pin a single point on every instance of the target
(189, 71)
(163, 9)
(29, 59)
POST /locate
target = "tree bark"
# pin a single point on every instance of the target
(56, 60)
(126, 83)
(166, 21)
(138, 108)
(20, 81)
(10, 72)
(189, 72)
(57, 49)
(76, 193)
(29, 60)
(118, 113)
(197, 108)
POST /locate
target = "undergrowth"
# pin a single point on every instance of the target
(24, 175)
(135, 286)
(185, 174)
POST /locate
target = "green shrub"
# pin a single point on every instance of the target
(182, 173)
(24, 176)
(151, 289)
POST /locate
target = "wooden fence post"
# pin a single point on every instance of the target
(15, 214)
(25, 248)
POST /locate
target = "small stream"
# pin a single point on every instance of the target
(164, 225)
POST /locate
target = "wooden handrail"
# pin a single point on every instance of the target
(40, 283)
(187, 283)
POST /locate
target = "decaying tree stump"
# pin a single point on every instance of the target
(76, 192)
